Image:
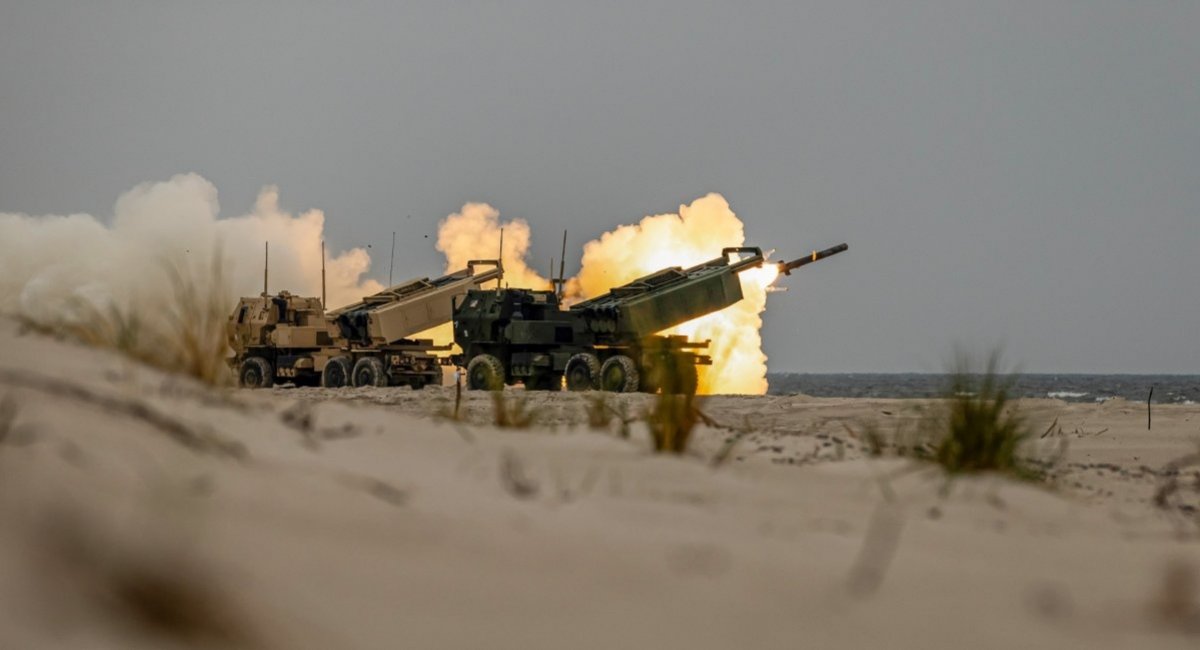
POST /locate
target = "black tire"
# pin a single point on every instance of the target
(369, 372)
(336, 373)
(583, 372)
(485, 372)
(619, 375)
(256, 372)
(545, 381)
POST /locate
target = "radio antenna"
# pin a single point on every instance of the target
(324, 305)
(560, 283)
(266, 265)
(392, 264)
(500, 257)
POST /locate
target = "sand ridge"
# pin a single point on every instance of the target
(357, 519)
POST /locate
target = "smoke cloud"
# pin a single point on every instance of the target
(474, 233)
(49, 264)
(696, 234)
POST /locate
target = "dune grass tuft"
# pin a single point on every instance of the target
(198, 320)
(181, 332)
(977, 427)
(1174, 490)
(672, 420)
(512, 413)
(8, 416)
(599, 413)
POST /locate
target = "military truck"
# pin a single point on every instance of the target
(609, 342)
(290, 338)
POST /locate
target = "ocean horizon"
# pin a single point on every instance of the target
(1071, 387)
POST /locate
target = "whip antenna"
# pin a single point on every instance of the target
(560, 283)
(266, 264)
(392, 264)
(500, 257)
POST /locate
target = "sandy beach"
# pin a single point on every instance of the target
(144, 510)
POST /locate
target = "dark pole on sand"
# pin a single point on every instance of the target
(1148, 398)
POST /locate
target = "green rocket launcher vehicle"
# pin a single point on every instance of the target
(609, 342)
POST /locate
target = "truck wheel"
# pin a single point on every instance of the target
(369, 372)
(256, 372)
(336, 373)
(583, 372)
(485, 372)
(619, 375)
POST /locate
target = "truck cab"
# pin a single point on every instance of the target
(516, 335)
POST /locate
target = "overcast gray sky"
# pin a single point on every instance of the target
(1024, 173)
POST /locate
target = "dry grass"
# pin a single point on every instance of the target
(181, 333)
(511, 413)
(672, 420)
(1177, 604)
(8, 416)
(198, 319)
(514, 478)
(725, 452)
(599, 413)
(976, 427)
(870, 435)
(153, 592)
(880, 544)
(1173, 490)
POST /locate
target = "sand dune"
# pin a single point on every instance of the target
(141, 510)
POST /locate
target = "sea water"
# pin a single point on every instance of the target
(1168, 389)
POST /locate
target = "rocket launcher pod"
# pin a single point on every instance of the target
(669, 297)
(405, 309)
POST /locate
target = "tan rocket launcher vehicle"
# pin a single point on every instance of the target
(290, 338)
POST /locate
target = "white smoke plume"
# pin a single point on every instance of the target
(474, 233)
(49, 264)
